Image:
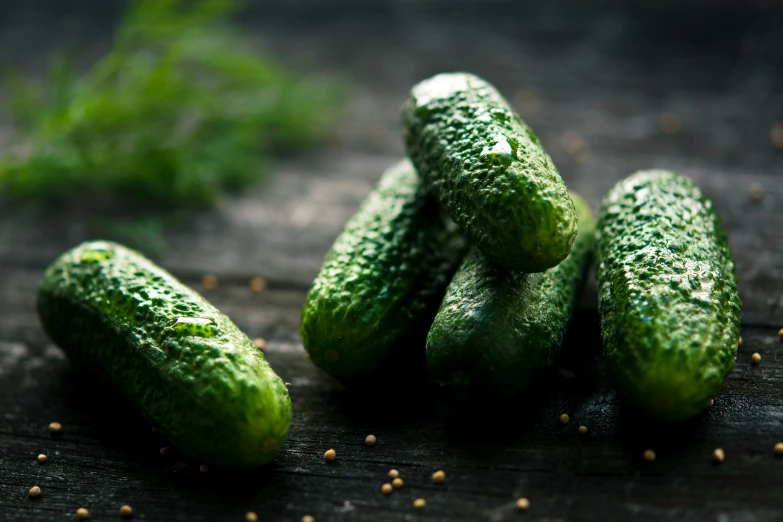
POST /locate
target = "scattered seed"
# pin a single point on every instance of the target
(35, 491)
(718, 456)
(528, 101)
(564, 419)
(393, 473)
(41, 458)
(308, 518)
(582, 430)
(739, 341)
(649, 455)
(439, 477)
(779, 448)
(419, 503)
(82, 513)
(259, 343)
(209, 282)
(258, 284)
(780, 334)
(575, 146)
(370, 440)
(711, 403)
(126, 510)
(669, 123)
(165, 451)
(251, 516)
(756, 191)
(523, 504)
(397, 483)
(203, 468)
(386, 489)
(55, 427)
(776, 135)
(330, 455)
(755, 358)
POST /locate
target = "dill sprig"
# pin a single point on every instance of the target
(179, 111)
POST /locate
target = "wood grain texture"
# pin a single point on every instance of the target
(599, 76)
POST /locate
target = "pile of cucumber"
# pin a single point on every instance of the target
(464, 263)
(471, 255)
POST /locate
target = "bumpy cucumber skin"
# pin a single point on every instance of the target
(670, 311)
(380, 286)
(497, 328)
(489, 170)
(200, 381)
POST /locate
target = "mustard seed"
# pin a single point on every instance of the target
(330, 455)
(393, 473)
(718, 456)
(82, 513)
(756, 191)
(250, 516)
(165, 451)
(386, 489)
(780, 334)
(565, 419)
(439, 477)
(669, 123)
(779, 448)
(35, 491)
(649, 455)
(523, 504)
(258, 284)
(55, 427)
(755, 358)
(528, 101)
(126, 510)
(776, 136)
(308, 518)
(209, 282)
(259, 343)
(711, 403)
(582, 430)
(419, 503)
(41, 458)
(370, 440)
(397, 483)
(739, 341)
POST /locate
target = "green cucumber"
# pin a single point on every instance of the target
(497, 328)
(670, 311)
(374, 299)
(490, 171)
(189, 370)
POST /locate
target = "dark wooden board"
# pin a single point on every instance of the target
(605, 74)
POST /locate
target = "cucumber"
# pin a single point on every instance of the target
(497, 328)
(373, 301)
(189, 370)
(670, 311)
(490, 171)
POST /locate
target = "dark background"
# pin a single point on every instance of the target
(594, 80)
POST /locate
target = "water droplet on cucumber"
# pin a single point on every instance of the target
(96, 252)
(200, 326)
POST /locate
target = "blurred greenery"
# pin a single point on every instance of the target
(178, 112)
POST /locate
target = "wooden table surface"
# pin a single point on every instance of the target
(599, 77)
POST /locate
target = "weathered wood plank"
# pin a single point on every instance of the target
(107, 455)
(283, 228)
